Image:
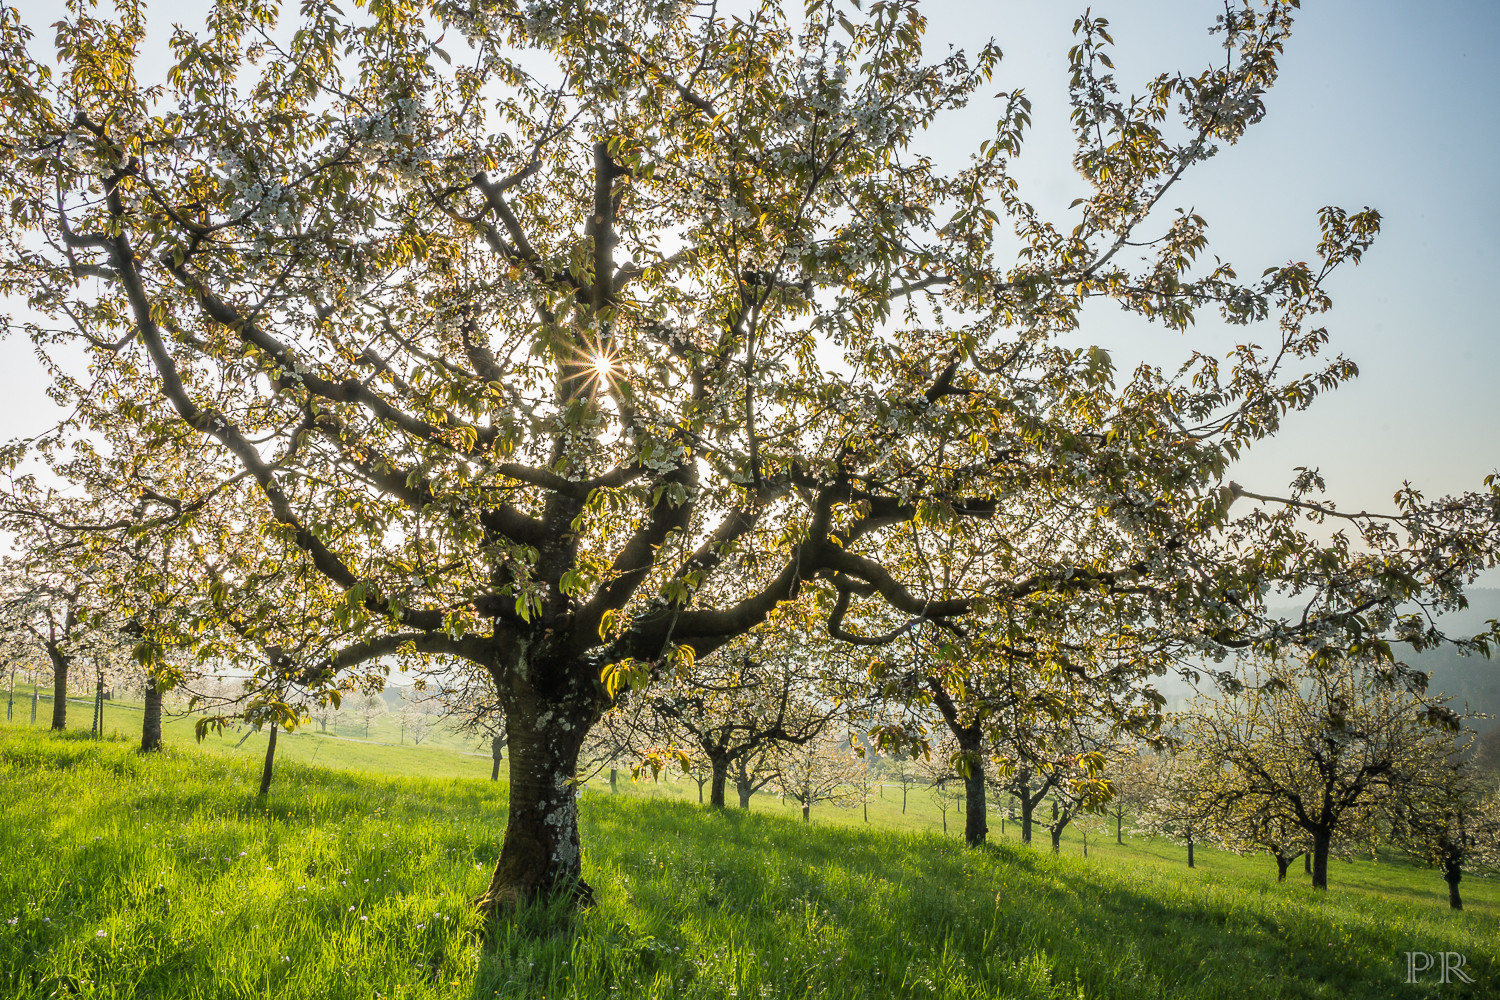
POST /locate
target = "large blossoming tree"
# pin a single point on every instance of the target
(572, 338)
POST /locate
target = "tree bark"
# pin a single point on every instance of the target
(1119, 825)
(976, 829)
(540, 856)
(1282, 864)
(701, 782)
(60, 662)
(1321, 841)
(151, 717)
(745, 791)
(614, 780)
(903, 796)
(497, 746)
(266, 768)
(720, 767)
(805, 808)
(1190, 853)
(33, 704)
(1307, 862)
(1026, 806)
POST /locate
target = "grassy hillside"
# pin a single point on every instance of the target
(123, 876)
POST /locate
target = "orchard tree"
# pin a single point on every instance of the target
(823, 769)
(1179, 806)
(1131, 776)
(1036, 687)
(763, 694)
(1444, 812)
(1322, 740)
(44, 597)
(464, 697)
(571, 340)
(1245, 824)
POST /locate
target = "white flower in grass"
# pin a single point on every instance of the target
(100, 934)
(13, 921)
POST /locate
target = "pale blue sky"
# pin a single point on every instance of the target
(1380, 103)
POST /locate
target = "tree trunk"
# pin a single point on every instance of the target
(10, 700)
(59, 688)
(497, 746)
(701, 782)
(98, 729)
(1026, 806)
(720, 767)
(540, 856)
(614, 780)
(1453, 873)
(1056, 839)
(1190, 853)
(151, 721)
(1307, 862)
(903, 796)
(975, 827)
(265, 771)
(1085, 841)
(1321, 841)
(745, 791)
(805, 808)
(33, 704)
(1119, 825)
(1282, 864)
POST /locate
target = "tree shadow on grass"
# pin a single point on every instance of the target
(699, 902)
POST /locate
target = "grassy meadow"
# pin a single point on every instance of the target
(125, 876)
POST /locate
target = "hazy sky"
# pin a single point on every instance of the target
(1384, 104)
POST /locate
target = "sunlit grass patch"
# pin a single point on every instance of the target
(161, 876)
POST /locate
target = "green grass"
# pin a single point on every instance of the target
(351, 885)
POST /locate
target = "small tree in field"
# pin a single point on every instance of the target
(1180, 805)
(368, 707)
(1132, 776)
(823, 769)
